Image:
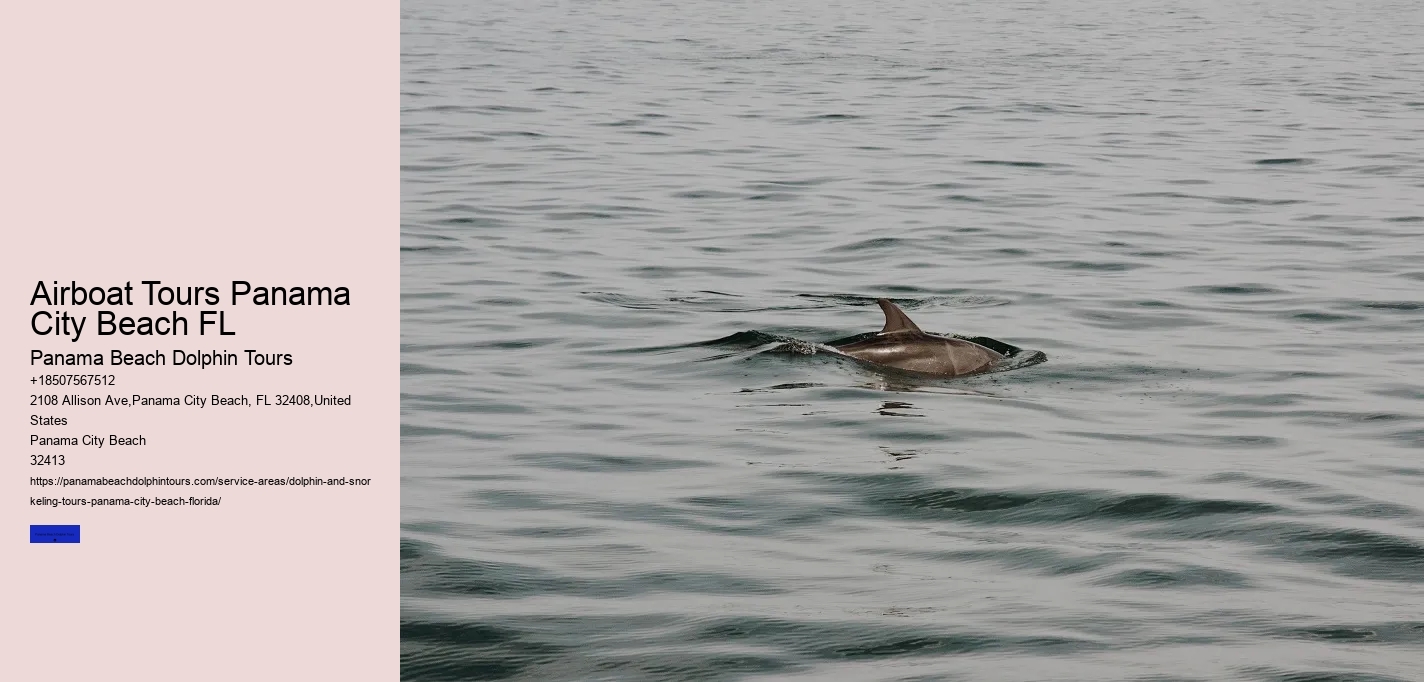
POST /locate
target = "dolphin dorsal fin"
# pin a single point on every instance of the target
(895, 319)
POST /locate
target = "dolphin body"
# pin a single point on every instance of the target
(902, 345)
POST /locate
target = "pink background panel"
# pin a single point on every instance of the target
(197, 143)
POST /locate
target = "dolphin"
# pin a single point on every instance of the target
(902, 345)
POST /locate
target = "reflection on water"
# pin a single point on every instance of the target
(1206, 215)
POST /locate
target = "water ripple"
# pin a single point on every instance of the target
(629, 228)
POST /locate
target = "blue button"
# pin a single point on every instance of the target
(54, 534)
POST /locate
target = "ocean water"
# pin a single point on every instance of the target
(1208, 215)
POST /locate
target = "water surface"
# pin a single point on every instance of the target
(1208, 216)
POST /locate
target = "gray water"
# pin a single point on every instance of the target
(1207, 214)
